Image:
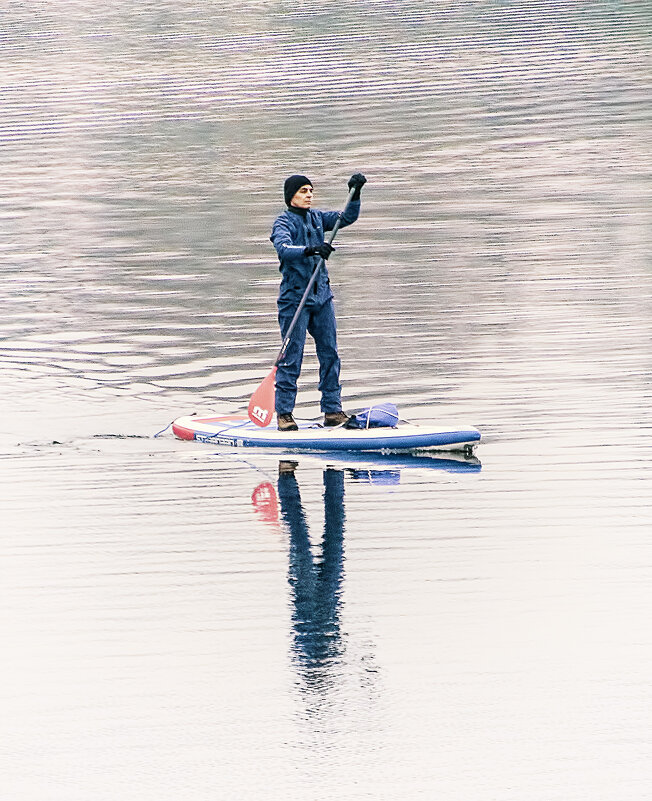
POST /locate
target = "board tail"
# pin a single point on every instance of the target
(261, 405)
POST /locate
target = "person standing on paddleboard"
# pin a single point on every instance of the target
(298, 236)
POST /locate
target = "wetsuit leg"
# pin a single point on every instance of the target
(322, 328)
(288, 371)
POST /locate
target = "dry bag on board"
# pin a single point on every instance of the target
(382, 415)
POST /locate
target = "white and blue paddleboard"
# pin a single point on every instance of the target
(239, 431)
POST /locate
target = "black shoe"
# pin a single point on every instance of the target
(336, 418)
(286, 423)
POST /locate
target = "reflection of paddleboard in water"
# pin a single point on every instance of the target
(235, 430)
(381, 462)
(361, 468)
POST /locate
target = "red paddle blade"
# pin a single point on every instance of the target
(261, 405)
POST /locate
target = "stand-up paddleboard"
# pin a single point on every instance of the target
(239, 431)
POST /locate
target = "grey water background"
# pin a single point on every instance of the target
(180, 621)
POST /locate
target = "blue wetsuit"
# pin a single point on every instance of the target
(293, 231)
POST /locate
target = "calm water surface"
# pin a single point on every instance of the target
(182, 622)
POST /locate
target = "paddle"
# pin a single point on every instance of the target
(261, 405)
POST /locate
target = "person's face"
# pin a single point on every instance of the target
(303, 197)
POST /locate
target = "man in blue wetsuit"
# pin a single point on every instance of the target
(298, 236)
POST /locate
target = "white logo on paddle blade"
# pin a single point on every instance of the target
(259, 414)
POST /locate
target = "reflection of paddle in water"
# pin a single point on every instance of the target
(316, 580)
(265, 503)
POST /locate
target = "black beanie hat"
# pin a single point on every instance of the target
(292, 186)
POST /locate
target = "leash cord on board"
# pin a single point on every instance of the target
(164, 430)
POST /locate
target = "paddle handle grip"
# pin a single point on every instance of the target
(329, 239)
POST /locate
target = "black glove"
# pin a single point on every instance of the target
(357, 181)
(324, 250)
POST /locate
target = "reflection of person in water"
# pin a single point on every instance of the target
(316, 581)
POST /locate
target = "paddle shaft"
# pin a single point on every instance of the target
(328, 239)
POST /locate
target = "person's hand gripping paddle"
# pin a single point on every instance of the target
(261, 405)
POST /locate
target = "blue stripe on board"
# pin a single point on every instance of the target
(410, 442)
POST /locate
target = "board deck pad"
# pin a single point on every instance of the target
(239, 431)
